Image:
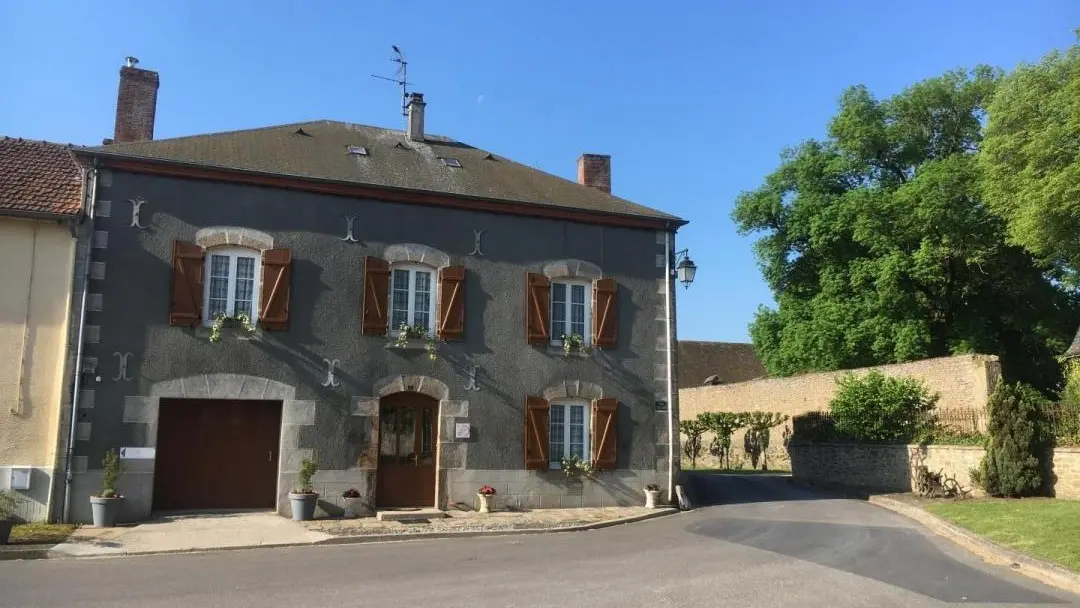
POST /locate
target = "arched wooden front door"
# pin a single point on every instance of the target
(407, 442)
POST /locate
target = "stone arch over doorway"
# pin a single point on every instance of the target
(453, 414)
(141, 415)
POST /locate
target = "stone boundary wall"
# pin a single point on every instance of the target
(887, 468)
(962, 382)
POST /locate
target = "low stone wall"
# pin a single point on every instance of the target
(887, 468)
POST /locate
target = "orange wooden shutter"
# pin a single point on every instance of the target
(536, 433)
(605, 423)
(451, 303)
(605, 313)
(185, 299)
(275, 291)
(376, 296)
(537, 308)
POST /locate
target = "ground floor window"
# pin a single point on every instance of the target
(568, 432)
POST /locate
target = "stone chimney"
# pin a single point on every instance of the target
(416, 104)
(136, 103)
(594, 171)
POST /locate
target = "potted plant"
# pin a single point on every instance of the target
(303, 497)
(574, 466)
(352, 499)
(572, 343)
(106, 504)
(241, 321)
(8, 502)
(652, 494)
(486, 494)
(408, 332)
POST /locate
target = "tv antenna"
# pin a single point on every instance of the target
(401, 77)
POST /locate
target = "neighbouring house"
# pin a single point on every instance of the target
(715, 363)
(328, 237)
(41, 193)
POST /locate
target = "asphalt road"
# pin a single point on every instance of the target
(766, 544)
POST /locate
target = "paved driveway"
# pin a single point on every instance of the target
(769, 544)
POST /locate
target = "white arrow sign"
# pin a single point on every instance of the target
(137, 453)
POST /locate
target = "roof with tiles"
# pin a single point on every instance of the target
(39, 177)
(712, 363)
(359, 154)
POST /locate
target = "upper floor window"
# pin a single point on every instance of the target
(570, 310)
(232, 283)
(412, 296)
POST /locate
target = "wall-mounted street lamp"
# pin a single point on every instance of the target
(685, 268)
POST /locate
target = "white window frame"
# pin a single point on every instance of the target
(433, 305)
(556, 336)
(586, 422)
(232, 253)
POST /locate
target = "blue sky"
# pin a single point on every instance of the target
(694, 100)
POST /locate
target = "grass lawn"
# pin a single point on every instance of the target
(40, 533)
(1043, 527)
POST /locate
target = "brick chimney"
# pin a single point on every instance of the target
(594, 171)
(136, 103)
(415, 130)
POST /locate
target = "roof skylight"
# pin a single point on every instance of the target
(357, 151)
(450, 162)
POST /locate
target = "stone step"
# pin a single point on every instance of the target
(409, 514)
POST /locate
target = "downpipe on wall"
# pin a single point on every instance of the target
(668, 246)
(76, 384)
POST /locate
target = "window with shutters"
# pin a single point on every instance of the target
(231, 283)
(568, 431)
(412, 297)
(571, 313)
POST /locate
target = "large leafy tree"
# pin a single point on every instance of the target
(878, 248)
(1031, 159)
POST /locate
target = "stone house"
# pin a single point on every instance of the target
(327, 237)
(41, 219)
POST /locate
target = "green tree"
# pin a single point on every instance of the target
(880, 408)
(1020, 440)
(758, 434)
(1031, 159)
(878, 249)
(722, 425)
(692, 447)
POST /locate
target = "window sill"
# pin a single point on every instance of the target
(557, 350)
(415, 344)
(230, 333)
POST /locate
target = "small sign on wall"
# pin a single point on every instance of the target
(462, 430)
(137, 453)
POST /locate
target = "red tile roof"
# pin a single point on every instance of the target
(39, 177)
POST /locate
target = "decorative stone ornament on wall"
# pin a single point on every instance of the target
(331, 379)
(477, 235)
(122, 361)
(136, 208)
(470, 384)
(350, 237)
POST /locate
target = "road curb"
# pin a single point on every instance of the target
(16, 552)
(382, 538)
(988, 550)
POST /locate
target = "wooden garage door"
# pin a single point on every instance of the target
(217, 454)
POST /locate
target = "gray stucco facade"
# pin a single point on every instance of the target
(133, 357)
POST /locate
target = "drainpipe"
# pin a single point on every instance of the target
(76, 385)
(670, 346)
